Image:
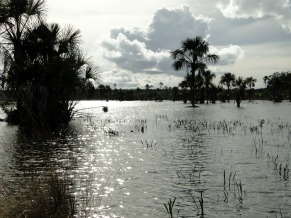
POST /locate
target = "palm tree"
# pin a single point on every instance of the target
(250, 82)
(228, 80)
(55, 64)
(193, 55)
(15, 18)
(240, 85)
(208, 76)
(43, 63)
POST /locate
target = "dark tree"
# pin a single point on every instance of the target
(227, 79)
(208, 76)
(193, 55)
(44, 65)
(240, 85)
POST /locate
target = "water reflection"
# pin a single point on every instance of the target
(131, 160)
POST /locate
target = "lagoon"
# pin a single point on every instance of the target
(136, 157)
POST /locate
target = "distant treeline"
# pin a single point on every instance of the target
(173, 94)
(278, 88)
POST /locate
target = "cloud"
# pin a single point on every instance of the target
(279, 9)
(170, 26)
(229, 55)
(128, 80)
(122, 79)
(147, 49)
(133, 55)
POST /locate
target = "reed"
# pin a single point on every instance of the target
(170, 206)
(36, 197)
(147, 144)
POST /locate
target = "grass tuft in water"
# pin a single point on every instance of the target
(34, 198)
(169, 208)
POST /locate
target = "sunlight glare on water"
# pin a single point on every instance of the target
(139, 155)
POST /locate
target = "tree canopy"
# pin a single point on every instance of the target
(44, 66)
(194, 56)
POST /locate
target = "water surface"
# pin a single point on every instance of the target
(139, 155)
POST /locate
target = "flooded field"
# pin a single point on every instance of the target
(215, 160)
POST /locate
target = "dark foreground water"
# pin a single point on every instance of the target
(139, 155)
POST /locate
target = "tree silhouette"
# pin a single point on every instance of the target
(227, 79)
(208, 76)
(250, 82)
(279, 86)
(193, 55)
(240, 85)
(44, 65)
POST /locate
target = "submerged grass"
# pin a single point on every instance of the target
(38, 197)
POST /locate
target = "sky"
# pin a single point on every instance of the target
(131, 40)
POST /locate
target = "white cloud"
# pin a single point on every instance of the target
(147, 49)
(170, 26)
(279, 9)
(138, 53)
(133, 55)
(229, 55)
(128, 80)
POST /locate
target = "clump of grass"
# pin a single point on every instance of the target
(234, 186)
(170, 206)
(112, 132)
(38, 197)
(199, 207)
(147, 144)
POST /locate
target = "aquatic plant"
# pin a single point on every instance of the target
(38, 197)
(261, 123)
(147, 144)
(170, 206)
(200, 208)
(234, 186)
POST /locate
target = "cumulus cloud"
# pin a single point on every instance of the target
(170, 26)
(279, 9)
(228, 55)
(124, 79)
(132, 55)
(147, 49)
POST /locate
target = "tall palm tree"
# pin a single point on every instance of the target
(250, 82)
(208, 76)
(227, 79)
(193, 55)
(15, 18)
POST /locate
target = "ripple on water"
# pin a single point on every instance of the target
(141, 154)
